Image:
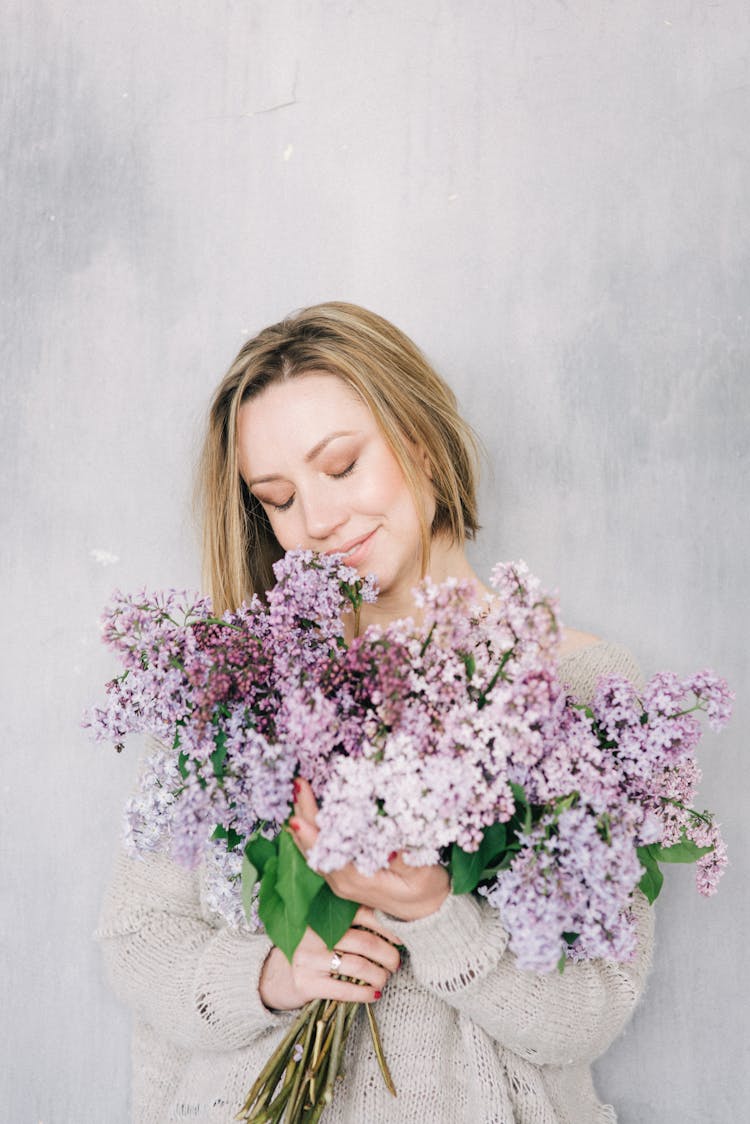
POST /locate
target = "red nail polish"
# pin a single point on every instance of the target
(378, 994)
(296, 786)
(393, 855)
(294, 825)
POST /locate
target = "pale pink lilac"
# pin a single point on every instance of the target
(412, 737)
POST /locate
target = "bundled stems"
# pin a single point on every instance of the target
(297, 1083)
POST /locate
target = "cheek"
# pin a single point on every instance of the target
(381, 489)
(389, 484)
(286, 531)
(386, 492)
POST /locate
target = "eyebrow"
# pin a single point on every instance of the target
(314, 452)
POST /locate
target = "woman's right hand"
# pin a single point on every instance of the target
(367, 953)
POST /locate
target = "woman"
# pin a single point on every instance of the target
(331, 431)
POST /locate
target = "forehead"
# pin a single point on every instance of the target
(287, 419)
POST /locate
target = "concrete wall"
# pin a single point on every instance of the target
(552, 198)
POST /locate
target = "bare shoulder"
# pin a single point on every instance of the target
(575, 641)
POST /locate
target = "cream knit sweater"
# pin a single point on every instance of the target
(469, 1038)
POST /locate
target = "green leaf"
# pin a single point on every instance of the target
(284, 929)
(260, 850)
(427, 639)
(233, 838)
(330, 916)
(182, 765)
(523, 814)
(249, 878)
(582, 706)
(495, 837)
(519, 794)
(219, 754)
(653, 879)
(651, 883)
(562, 961)
(570, 938)
(467, 867)
(683, 852)
(296, 883)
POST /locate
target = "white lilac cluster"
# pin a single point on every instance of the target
(221, 890)
(417, 739)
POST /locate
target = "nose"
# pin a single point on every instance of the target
(323, 515)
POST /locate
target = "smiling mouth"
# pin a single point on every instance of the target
(352, 547)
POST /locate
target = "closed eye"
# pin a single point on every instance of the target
(347, 471)
(281, 506)
(288, 503)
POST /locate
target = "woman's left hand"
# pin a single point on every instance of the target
(403, 892)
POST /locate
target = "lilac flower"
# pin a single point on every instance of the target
(258, 780)
(148, 812)
(710, 867)
(416, 739)
(569, 878)
(713, 696)
(522, 613)
(200, 806)
(308, 725)
(221, 893)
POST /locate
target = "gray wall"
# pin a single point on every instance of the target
(552, 199)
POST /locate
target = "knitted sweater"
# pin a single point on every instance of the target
(468, 1037)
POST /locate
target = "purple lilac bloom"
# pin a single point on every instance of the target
(201, 805)
(148, 811)
(710, 867)
(221, 888)
(713, 696)
(411, 737)
(258, 781)
(569, 878)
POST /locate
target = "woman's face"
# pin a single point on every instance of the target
(313, 455)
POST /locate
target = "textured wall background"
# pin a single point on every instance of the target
(552, 198)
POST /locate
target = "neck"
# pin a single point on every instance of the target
(447, 560)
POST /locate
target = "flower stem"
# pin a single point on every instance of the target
(298, 1086)
(333, 1064)
(298, 1081)
(274, 1064)
(379, 1050)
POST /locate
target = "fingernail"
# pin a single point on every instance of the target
(378, 994)
(294, 825)
(393, 855)
(296, 786)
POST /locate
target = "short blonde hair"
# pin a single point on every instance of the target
(410, 402)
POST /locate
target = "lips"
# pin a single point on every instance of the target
(353, 547)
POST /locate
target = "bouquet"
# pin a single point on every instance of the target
(452, 740)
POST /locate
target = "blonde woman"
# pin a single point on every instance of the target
(331, 431)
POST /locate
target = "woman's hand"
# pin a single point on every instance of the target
(365, 953)
(405, 892)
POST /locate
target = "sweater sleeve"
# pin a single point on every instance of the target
(194, 983)
(461, 953)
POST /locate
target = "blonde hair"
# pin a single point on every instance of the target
(410, 402)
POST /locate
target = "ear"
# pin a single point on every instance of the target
(423, 458)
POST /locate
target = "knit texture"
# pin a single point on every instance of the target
(468, 1037)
